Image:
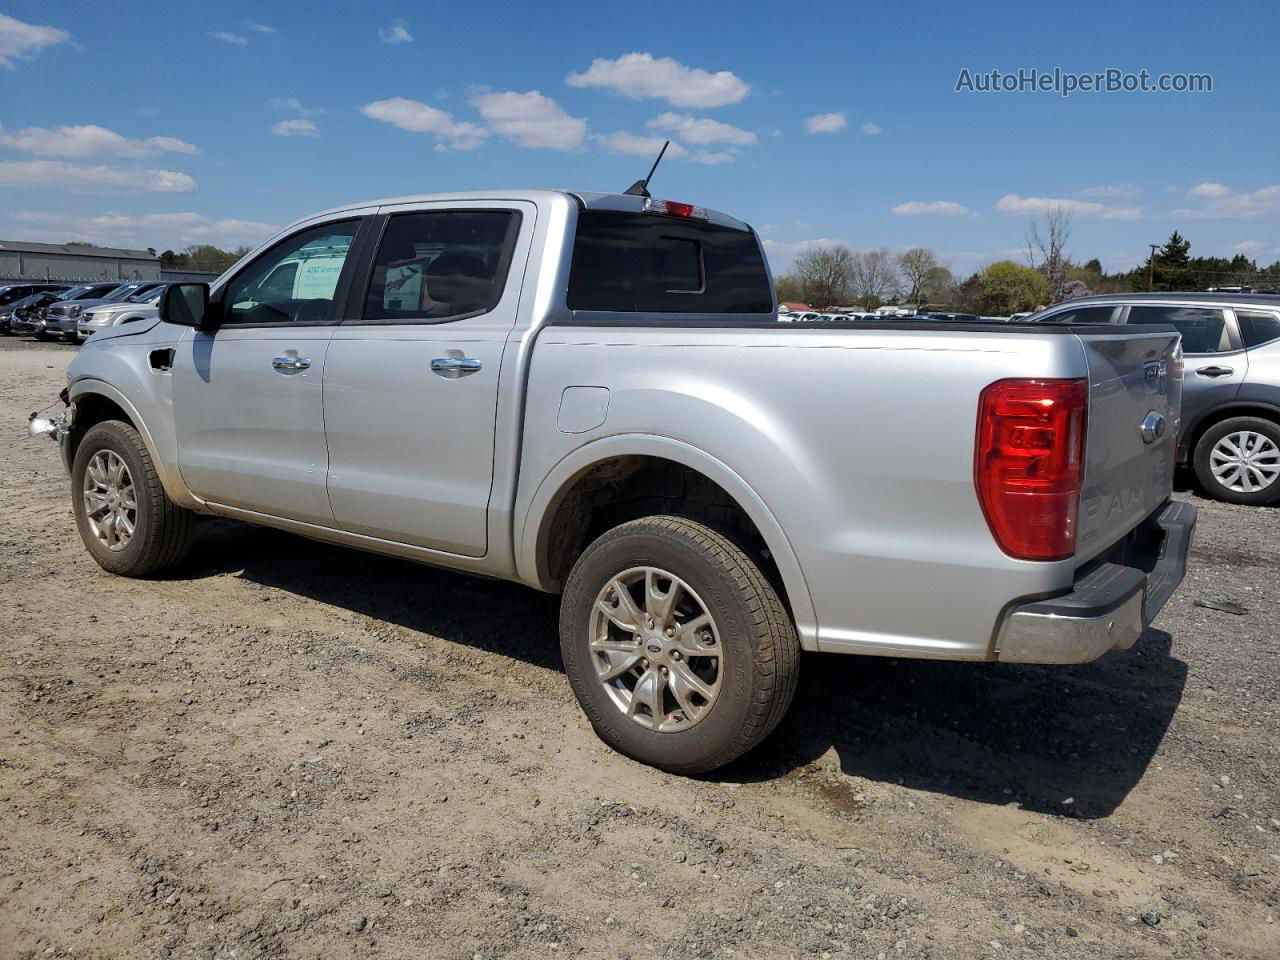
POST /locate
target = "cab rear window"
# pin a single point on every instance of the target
(643, 263)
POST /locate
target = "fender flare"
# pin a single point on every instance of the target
(168, 473)
(561, 477)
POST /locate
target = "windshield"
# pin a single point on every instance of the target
(144, 295)
(74, 292)
(121, 292)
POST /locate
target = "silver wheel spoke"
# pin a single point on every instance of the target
(620, 666)
(657, 603)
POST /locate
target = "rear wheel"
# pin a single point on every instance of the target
(126, 520)
(1238, 460)
(676, 645)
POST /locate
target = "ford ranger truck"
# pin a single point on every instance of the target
(591, 394)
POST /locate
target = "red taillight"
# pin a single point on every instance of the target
(1029, 464)
(671, 208)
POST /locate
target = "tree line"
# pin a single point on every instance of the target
(201, 256)
(835, 276)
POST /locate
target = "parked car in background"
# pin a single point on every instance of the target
(954, 317)
(26, 312)
(1230, 432)
(11, 294)
(62, 318)
(501, 383)
(140, 306)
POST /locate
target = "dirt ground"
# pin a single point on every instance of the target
(287, 749)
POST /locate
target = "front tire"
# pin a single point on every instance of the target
(126, 520)
(1238, 461)
(676, 645)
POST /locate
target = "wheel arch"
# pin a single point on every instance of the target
(97, 401)
(1211, 418)
(554, 524)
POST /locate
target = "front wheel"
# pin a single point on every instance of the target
(126, 520)
(1238, 460)
(676, 645)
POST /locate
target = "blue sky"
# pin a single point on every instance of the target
(145, 124)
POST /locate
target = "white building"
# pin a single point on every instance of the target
(74, 262)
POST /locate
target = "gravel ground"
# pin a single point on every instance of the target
(287, 749)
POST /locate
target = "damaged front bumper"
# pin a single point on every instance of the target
(1111, 603)
(55, 428)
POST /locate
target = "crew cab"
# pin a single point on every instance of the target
(591, 394)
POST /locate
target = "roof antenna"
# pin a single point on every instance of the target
(641, 187)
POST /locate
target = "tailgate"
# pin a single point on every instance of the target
(1135, 379)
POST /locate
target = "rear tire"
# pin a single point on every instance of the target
(684, 700)
(126, 520)
(1238, 461)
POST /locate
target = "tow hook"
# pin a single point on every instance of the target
(55, 428)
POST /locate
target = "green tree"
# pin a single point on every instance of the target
(1007, 287)
(789, 289)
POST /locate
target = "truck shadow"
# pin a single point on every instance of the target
(994, 733)
(1071, 741)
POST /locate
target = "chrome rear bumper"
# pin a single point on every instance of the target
(1110, 606)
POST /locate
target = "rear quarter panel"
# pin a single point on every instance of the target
(859, 443)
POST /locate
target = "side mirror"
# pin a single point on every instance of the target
(186, 304)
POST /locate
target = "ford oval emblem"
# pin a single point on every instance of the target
(1153, 427)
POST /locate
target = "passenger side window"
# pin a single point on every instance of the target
(439, 266)
(1083, 315)
(294, 282)
(1258, 328)
(1203, 330)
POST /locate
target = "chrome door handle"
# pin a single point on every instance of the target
(1215, 371)
(287, 364)
(454, 367)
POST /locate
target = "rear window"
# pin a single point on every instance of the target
(1203, 329)
(1258, 328)
(643, 263)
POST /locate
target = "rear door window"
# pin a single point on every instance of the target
(1203, 329)
(644, 263)
(441, 265)
(1258, 327)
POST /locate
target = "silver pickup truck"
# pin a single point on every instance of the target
(591, 394)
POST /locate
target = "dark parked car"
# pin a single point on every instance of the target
(63, 316)
(1230, 431)
(12, 293)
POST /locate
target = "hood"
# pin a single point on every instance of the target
(139, 326)
(62, 308)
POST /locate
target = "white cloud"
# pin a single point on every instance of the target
(297, 127)
(1249, 246)
(226, 36)
(397, 32)
(418, 117)
(1011, 203)
(1211, 191)
(1220, 202)
(294, 105)
(86, 140)
(635, 145)
(925, 208)
(701, 130)
(641, 76)
(95, 178)
(158, 230)
(825, 122)
(870, 129)
(1107, 191)
(713, 158)
(258, 27)
(531, 120)
(23, 41)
